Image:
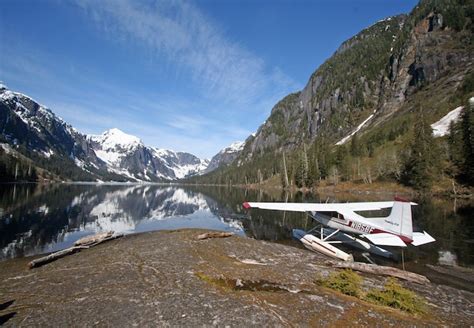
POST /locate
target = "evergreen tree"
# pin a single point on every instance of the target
(314, 174)
(454, 17)
(421, 165)
(343, 162)
(467, 123)
(355, 146)
(323, 157)
(301, 174)
(455, 149)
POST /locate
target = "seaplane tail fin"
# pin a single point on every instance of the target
(399, 221)
(421, 238)
(385, 239)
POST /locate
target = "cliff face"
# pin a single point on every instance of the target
(42, 135)
(426, 53)
(373, 76)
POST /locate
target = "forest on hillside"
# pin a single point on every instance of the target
(416, 159)
(398, 71)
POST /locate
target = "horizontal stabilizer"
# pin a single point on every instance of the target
(385, 239)
(421, 238)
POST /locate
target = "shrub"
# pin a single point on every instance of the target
(345, 281)
(396, 296)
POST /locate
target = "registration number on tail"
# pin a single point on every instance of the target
(361, 227)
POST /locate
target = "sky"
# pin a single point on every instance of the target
(190, 76)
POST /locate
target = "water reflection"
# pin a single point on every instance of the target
(36, 219)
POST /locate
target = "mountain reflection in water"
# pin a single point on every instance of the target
(42, 218)
(36, 221)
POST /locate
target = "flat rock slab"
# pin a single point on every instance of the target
(173, 279)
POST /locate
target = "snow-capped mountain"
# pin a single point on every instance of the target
(225, 156)
(182, 164)
(47, 141)
(126, 155)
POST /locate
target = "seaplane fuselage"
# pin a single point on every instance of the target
(355, 224)
(393, 230)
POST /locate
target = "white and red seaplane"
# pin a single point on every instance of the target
(339, 222)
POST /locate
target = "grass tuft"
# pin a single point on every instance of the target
(346, 281)
(396, 296)
(392, 295)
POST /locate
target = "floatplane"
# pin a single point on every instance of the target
(339, 222)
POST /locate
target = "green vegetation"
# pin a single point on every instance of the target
(15, 168)
(395, 296)
(392, 295)
(346, 281)
(461, 146)
(23, 165)
(397, 145)
(421, 165)
(301, 174)
(454, 16)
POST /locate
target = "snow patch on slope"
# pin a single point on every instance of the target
(183, 171)
(170, 159)
(361, 125)
(441, 127)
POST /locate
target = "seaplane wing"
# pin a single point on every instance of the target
(321, 207)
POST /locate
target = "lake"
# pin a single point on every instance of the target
(38, 219)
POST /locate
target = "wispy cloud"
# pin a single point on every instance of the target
(189, 123)
(184, 36)
(221, 91)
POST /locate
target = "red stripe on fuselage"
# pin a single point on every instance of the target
(374, 230)
(405, 239)
(352, 224)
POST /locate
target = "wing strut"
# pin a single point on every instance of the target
(332, 234)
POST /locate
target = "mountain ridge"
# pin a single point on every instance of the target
(37, 136)
(370, 90)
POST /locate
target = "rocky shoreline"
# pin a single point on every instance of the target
(170, 278)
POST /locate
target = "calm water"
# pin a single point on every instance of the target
(43, 218)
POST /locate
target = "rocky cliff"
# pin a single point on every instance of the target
(374, 76)
(38, 133)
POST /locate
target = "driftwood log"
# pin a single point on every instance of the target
(79, 245)
(94, 239)
(214, 234)
(383, 270)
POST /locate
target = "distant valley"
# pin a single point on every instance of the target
(362, 117)
(38, 145)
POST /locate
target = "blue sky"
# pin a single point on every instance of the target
(187, 76)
